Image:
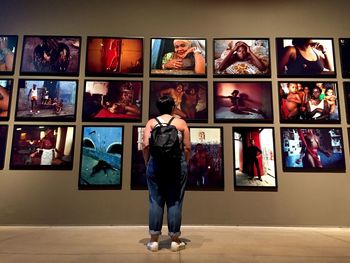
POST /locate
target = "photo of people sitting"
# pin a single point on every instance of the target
(241, 57)
(171, 56)
(112, 100)
(308, 102)
(254, 157)
(247, 101)
(8, 45)
(114, 56)
(5, 98)
(190, 99)
(51, 55)
(46, 99)
(316, 149)
(305, 57)
(42, 147)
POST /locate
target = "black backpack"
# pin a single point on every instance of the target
(164, 143)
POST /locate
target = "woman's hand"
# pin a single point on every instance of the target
(174, 64)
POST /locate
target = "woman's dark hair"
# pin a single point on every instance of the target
(300, 42)
(165, 104)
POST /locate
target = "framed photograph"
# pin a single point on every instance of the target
(242, 58)
(138, 167)
(3, 140)
(46, 100)
(346, 86)
(178, 57)
(309, 102)
(205, 171)
(312, 150)
(191, 99)
(112, 100)
(8, 50)
(101, 157)
(305, 57)
(344, 47)
(254, 158)
(6, 87)
(51, 55)
(114, 56)
(243, 102)
(42, 147)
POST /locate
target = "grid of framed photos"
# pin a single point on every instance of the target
(306, 89)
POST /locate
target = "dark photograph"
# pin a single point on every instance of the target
(190, 99)
(305, 57)
(8, 49)
(206, 162)
(46, 147)
(242, 58)
(51, 55)
(309, 102)
(205, 168)
(112, 100)
(347, 100)
(6, 87)
(344, 47)
(45, 99)
(243, 102)
(254, 157)
(3, 140)
(178, 57)
(107, 56)
(312, 150)
(101, 157)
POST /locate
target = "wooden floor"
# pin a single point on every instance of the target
(217, 244)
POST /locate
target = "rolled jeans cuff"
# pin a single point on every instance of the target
(154, 232)
(174, 234)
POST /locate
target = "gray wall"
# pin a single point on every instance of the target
(51, 197)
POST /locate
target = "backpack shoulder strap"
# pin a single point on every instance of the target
(171, 120)
(159, 122)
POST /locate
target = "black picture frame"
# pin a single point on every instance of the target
(8, 52)
(138, 179)
(251, 160)
(31, 150)
(245, 102)
(206, 144)
(204, 177)
(6, 88)
(299, 104)
(344, 49)
(320, 151)
(51, 55)
(194, 64)
(112, 101)
(101, 157)
(310, 67)
(3, 141)
(114, 56)
(191, 99)
(346, 86)
(253, 59)
(50, 100)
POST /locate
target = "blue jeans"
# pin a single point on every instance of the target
(169, 192)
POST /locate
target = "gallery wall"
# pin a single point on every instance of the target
(36, 197)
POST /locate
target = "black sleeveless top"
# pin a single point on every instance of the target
(302, 66)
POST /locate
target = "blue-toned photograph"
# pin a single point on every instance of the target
(101, 157)
(312, 150)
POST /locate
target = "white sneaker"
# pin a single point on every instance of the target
(177, 246)
(153, 246)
